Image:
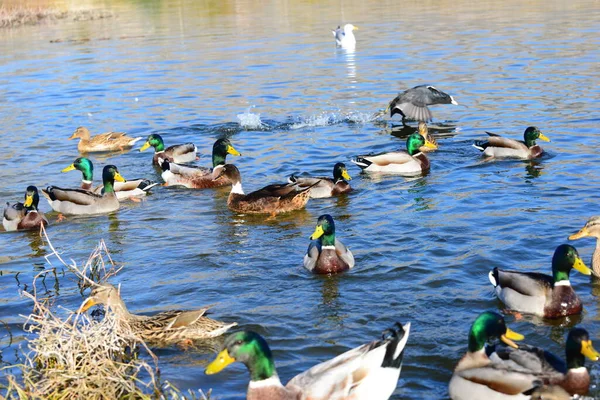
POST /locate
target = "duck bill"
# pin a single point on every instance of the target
(223, 360)
(430, 145)
(452, 101)
(580, 266)
(231, 150)
(28, 200)
(73, 136)
(145, 146)
(544, 137)
(346, 175)
(317, 233)
(118, 177)
(69, 168)
(582, 233)
(355, 28)
(588, 350)
(87, 304)
(509, 336)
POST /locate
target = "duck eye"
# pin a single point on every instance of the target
(238, 342)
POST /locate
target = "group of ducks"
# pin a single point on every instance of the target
(370, 371)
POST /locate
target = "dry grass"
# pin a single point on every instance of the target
(70, 356)
(15, 16)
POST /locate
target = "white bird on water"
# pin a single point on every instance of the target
(345, 37)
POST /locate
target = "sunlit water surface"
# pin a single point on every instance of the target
(269, 77)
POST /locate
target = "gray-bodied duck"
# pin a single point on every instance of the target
(110, 141)
(164, 327)
(23, 216)
(178, 153)
(412, 103)
(84, 202)
(370, 371)
(200, 177)
(325, 187)
(591, 229)
(326, 254)
(539, 294)
(500, 147)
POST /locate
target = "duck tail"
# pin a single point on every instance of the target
(164, 164)
(481, 144)
(47, 193)
(361, 162)
(292, 179)
(146, 185)
(493, 276)
(396, 338)
(134, 140)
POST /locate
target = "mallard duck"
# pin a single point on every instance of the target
(550, 369)
(325, 187)
(84, 202)
(412, 103)
(164, 327)
(111, 141)
(591, 229)
(344, 36)
(326, 254)
(398, 162)
(272, 199)
(424, 131)
(370, 371)
(178, 153)
(476, 377)
(500, 147)
(200, 177)
(123, 190)
(539, 294)
(21, 216)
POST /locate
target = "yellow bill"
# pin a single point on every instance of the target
(118, 177)
(544, 137)
(28, 200)
(430, 145)
(87, 304)
(231, 150)
(317, 233)
(145, 146)
(509, 336)
(346, 175)
(580, 266)
(223, 359)
(73, 136)
(582, 233)
(69, 168)
(588, 350)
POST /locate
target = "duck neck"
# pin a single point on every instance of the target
(218, 159)
(328, 239)
(160, 146)
(529, 142)
(261, 367)
(575, 360)
(596, 259)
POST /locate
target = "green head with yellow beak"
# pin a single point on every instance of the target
(531, 134)
(490, 326)
(221, 148)
(578, 347)
(340, 172)
(32, 198)
(156, 141)
(564, 260)
(325, 230)
(415, 141)
(84, 165)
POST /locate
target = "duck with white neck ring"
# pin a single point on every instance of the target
(591, 229)
(326, 254)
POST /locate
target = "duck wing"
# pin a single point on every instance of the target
(525, 283)
(276, 190)
(384, 159)
(499, 141)
(344, 253)
(77, 196)
(180, 149)
(312, 254)
(500, 379)
(529, 358)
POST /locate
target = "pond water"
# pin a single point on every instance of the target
(269, 77)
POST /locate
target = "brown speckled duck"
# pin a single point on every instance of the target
(326, 254)
(111, 141)
(539, 294)
(272, 199)
(591, 229)
(424, 131)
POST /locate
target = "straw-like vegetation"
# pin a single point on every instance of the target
(14, 16)
(70, 356)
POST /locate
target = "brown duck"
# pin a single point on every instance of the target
(111, 141)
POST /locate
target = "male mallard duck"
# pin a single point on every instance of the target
(20, 216)
(84, 202)
(550, 369)
(500, 147)
(476, 377)
(370, 371)
(398, 162)
(123, 190)
(178, 153)
(326, 254)
(200, 177)
(325, 187)
(412, 103)
(272, 199)
(591, 229)
(424, 131)
(111, 141)
(539, 294)
(344, 36)
(164, 327)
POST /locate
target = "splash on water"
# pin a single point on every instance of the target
(248, 120)
(322, 119)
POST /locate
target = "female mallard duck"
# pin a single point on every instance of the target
(550, 369)
(370, 371)
(124, 190)
(200, 177)
(412, 163)
(325, 187)
(476, 377)
(272, 199)
(539, 294)
(84, 202)
(591, 229)
(21, 216)
(412, 103)
(164, 327)
(178, 153)
(424, 131)
(326, 254)
(111, 141)
(500, 147)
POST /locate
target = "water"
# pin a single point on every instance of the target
(270, 78)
